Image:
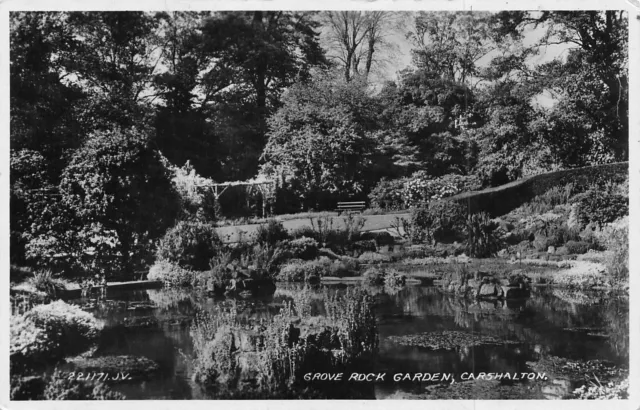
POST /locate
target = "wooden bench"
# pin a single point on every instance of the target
(350, 206)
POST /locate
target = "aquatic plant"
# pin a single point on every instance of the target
(267, 359)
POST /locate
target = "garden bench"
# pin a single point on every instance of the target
(350, 206)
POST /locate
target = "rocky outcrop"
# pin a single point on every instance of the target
(486, 286)
(243, 287)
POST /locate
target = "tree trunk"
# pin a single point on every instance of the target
(125, 249)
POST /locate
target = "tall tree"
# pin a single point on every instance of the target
(44, 105)
(113, 57)
(451, 43)
(320, 140)
(360, 41)
(590, 84)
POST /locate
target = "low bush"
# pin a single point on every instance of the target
(353, 225)
(74, 328)
(577, 247)
(29, 344)
(388, 195)
(171, 274)
(380, 238)
(271, 233)
(304, 248)
(190, 245)
(600, 207)
(615, 237)
(301, 271)
(438, 222)
(310, 271)
(61, 387)
(609, 391)
(49, 332)
(378, 276)
(482, 238)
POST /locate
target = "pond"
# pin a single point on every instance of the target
(552, 322)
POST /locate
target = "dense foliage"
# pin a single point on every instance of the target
(438, 221)
(120, 196)
(190, 245)
(242, 94)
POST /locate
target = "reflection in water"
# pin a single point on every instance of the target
(549, 323)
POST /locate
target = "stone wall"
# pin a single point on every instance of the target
(503, 199)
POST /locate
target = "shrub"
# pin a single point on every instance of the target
(271, 233)
(577, 247)
(378, 276)
(558, 195)
(301, 271)
(171, 274)
(190, 245)
(264, 259)
(118, 190)
(388, 195)
(380, 238)
(615, 236)
(71, 326)
(61, 387)
(598, 207)
(29, 344)
(304, 248)
(353, 226)
(373, 257)
(438, 222)
(309, 271)
(482, 240)
(49, 332)
(611, 391)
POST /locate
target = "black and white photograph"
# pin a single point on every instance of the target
(307, 204)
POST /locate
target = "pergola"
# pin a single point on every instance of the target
(264, 185)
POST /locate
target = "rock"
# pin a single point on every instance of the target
(551, 250)
(489, 290)
(503, 253)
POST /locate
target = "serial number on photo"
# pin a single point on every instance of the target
(99, 376)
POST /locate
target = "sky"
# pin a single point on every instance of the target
(402, 59)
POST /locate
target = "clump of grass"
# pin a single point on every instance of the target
(45, 281)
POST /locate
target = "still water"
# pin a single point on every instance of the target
(551, 322)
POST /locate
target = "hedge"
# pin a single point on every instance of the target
(501, 200)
